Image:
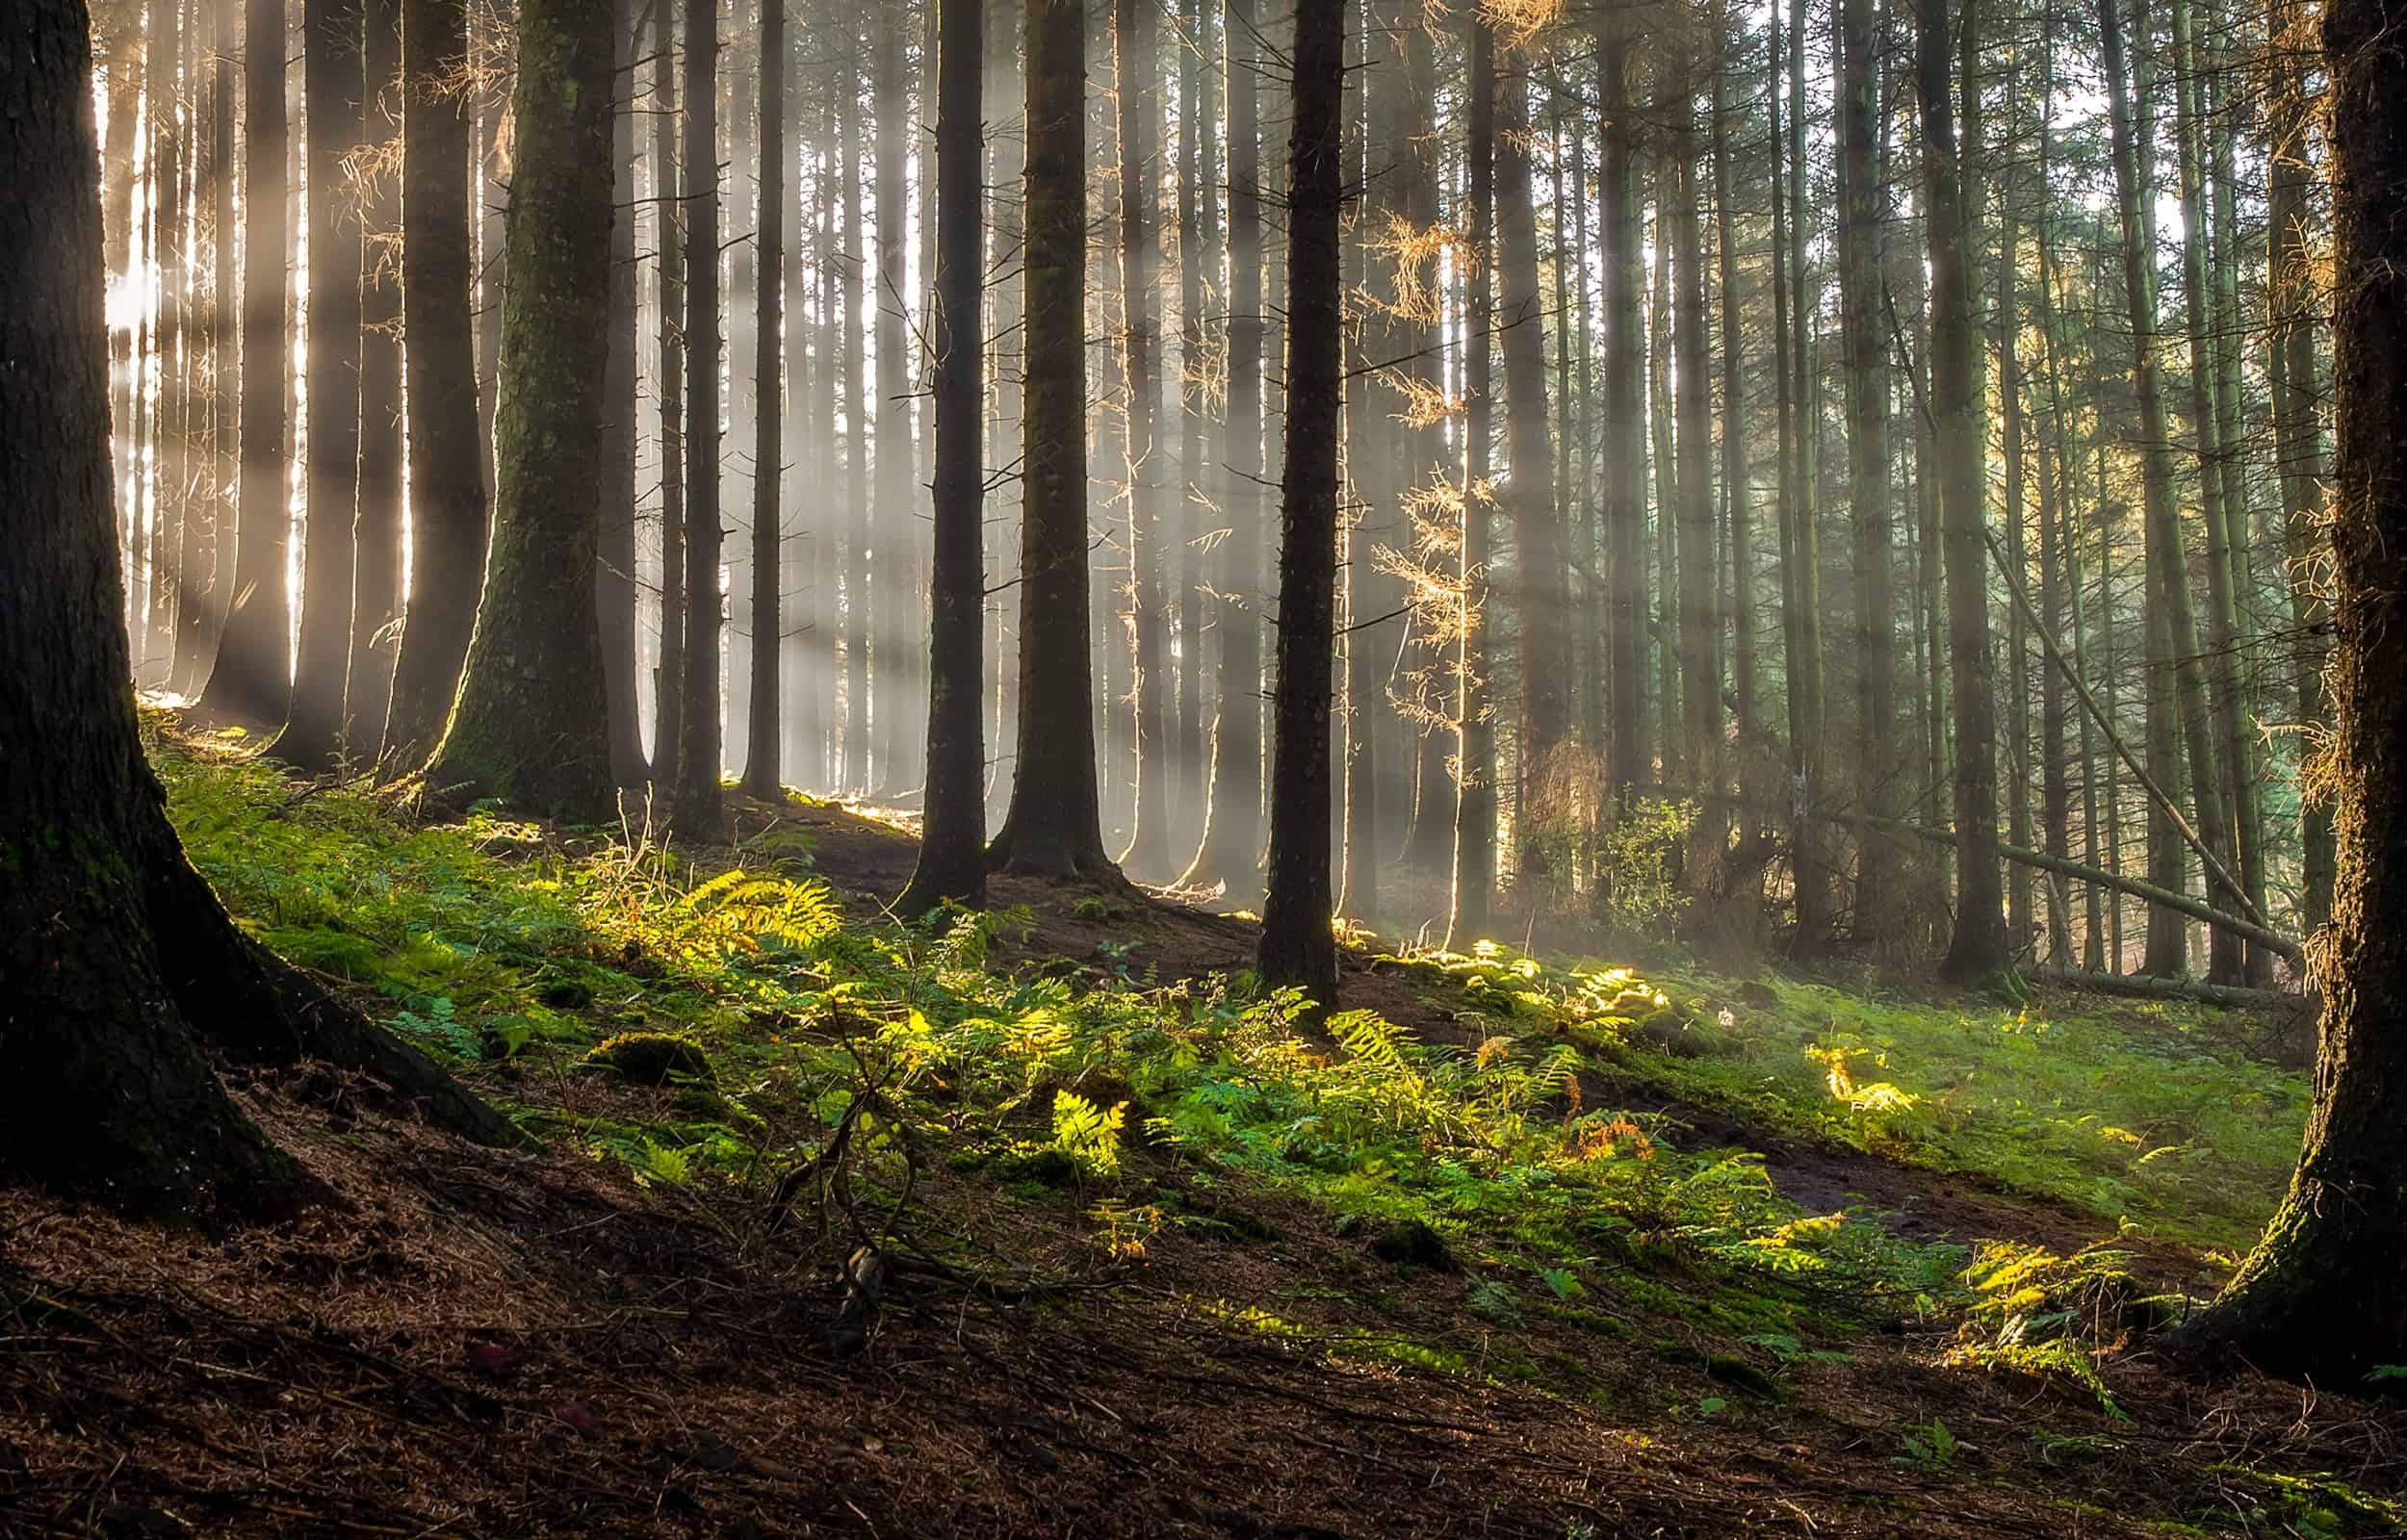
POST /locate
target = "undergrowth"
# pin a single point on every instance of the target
(521, 952)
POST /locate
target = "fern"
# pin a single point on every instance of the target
(1089, 1135)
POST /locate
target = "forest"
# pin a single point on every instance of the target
(1372, 768)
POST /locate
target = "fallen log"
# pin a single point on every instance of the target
(2143, 987)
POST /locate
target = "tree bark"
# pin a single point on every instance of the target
(1979, 948)
(377, 526)
(700, 748)
(952, 856)
(614, 566)
(121, 970)
(2325, 1292)
(332, 81)
(447, 501)
(765, 727)
(1298, 945)
(530, 727)
(1054, 825)
(1475, 727)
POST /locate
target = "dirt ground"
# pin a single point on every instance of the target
(477, 1343)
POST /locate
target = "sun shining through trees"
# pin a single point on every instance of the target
(915, 766)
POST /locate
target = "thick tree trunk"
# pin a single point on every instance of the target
(2325, 1292)
(118, 969)
(333, 77)
(952, 856)
(447, 501)
(530, 727)
(1298, 946)
(1055, 825)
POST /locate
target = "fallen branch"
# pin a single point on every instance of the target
(2143, 987)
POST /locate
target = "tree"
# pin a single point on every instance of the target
(1055, 825)
(1231, 842)
(333, 77)
(253, 677)
(1980, 947)
(1298, 945)
(2325, 1292)
(1474, 724)
(531, 726)
(699, 749)
(952, 860)
(1133, 49)
(614, 569)
(376, 524)
(1541, 589)
(763, 747)
(446, 500)
(118, 969)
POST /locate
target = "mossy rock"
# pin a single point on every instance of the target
(1413, 1245)
(1041, 1165)
(653, 1058)
(565, 994)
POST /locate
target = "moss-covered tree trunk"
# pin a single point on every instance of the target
(1055, 825)
(119, 968)
(447, 501)
(1298, 946)
(530, 726)
(2326, 1290)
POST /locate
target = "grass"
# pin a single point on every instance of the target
(2148, 1117)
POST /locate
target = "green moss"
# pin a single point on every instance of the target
(652, 1058)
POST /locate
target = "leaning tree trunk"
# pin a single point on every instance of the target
(447, 501)
(1055, 825)
(951, 859)
(530, 729)
(119, 968)
(1298, 946)
(2325, 1292)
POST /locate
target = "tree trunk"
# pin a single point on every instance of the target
(614, 569)
(765, 743)
(2325, 1292)
(700, 753)
(893, 639)
(1055, 825)
(447, 501)
(1133, 51)
(1542, 590)
(1475, 727)
(1980, 947)
(530, 727)
(120, 967)
(669, 680)
(377, 529)
(253, 677)
(952, 855)
(1232, 847)
(332, 79)
(2297, 421)
(1298, 946)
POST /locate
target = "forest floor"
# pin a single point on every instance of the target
(1087, 1237)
